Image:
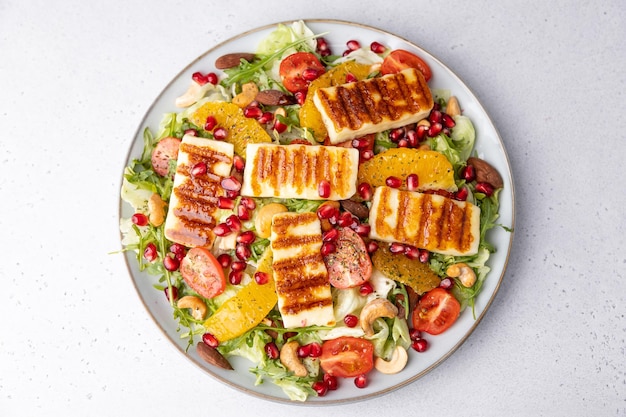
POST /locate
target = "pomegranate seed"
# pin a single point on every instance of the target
(139, 219)
(421, 132)
(261, 278)
(411, 252)
(412, 182)
(316, 350)
(412, 138)
(366, 289)
(396, 134)
(424, 256)
(366, 154)
(326, 211)
(233, 223)
(199, 78)
(232, 194)
(351, 320)
(446, 283)
(485, 188)
(231, 184)
(248, 203)
(224, 259)
(210, 340)
(330, 235)
(310, 74)
(239, 163)
(434, 129)
(346, 219)
(360, 143)
(266, 117)
(346, 52)
(238, 266)
(468, 173)
(210, 123)
(243, 213)
(323, 189)
(252, 112)
(211, 77)
(279, 126)
(350, 78)
(320, 388)
(300, 97)
(222, 230)
(191, 132)
(304, 351)
(220, 133)
(322, 47)
(328, 248)
(247, 237)
(360, 381)
(225, 203)
(365, 191)
(150, 252)
(447, 121)
(198, 169)
(420, 345)
(362, 230)
(235, 277)
(331, 381)
(415, 334)
(170, 262)
(243, 252)
(461, 195)
(435, 117)
(377, 47)
(174, 293)
(271, 350)
(403, 143)
(393, 182)
(353, 45)
(372, 247)
(396, 247)
(178, 249)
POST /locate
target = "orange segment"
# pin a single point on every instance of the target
(309, 116)
(433, 169)
(241, 130)
(247, 308)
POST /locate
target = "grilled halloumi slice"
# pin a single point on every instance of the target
(300, 275)
(193, 203)
(374, 105)
(296, 171)
(427, 221)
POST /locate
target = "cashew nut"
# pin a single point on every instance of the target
(263, 219)
(463, 272)
(193, 94)
(452, 107)
(247, 95)
(394, 365)
(378, 307)
(156, 208)
(197, 306)
(289, 358)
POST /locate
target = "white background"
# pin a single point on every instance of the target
(76, 78)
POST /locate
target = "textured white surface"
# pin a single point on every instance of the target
(75, 79)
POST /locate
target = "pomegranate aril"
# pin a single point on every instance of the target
(353, 45)
(421, 131)
(239, 163)
(434, 129)
(279, 126)
(346, 219)
(231, 184)
(350, 78)
(377, 47)
(310, 74)
(171, 263)
(330, 235)
(372, 247)
(233, 222)
(396, 134)
(150, 252)
(365, 191)
(322, 47)
(198, 169)
(446, 283)
(424, 256)
(139, 219)
(304, 351)
(271, 350)
(360, 143)
(468, 173)
(462, 194)
(266, 117)
(243, 252)
(220, 133)
(320, 388)
(328, 248)
(235, 277)
(224, 259)
(323, 189)
(420, 345)
(261, 278)
(315, 350)
(252, 112)
(225, 203)
(396, 247)
(393, 182)
(447, 121)
(178, 249)
(248, 203)
(412, 182)
(366, 155)
(351, 320)
(415, 334)
(366, 289)
(435, 117)
(238, 266)
(210, 340)
(171, 293)
(243, 212)
(485, 188)
(412, 252)
(210, 123)
(326, 211)
(300, 97)
(191, 132)
(247, 237)
(412, 138)
(360, 381)
(362, 229)
(199, 78)
(212, 78)
(331, 381)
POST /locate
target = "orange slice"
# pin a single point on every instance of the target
(241, 130)
(309, 116)
(433, 169)
(247, 308)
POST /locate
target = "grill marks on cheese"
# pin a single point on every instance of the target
(427, 221)
(300, 275)
(193, 203)
(374, 105)
(295, 171)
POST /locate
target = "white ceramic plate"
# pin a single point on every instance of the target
(488, 145)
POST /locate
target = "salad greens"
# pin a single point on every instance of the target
(141, 182)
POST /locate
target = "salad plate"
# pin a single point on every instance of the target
(488, 146)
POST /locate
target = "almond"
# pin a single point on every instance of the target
(485, 172)
(232, 60)
(274, 98)
(212, 356)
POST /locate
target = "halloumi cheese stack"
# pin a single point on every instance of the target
(374, 105)
(300, 275)
(296, 171)
(193, 203)
(427, 221)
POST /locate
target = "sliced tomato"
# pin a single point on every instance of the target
(436, 311)
(299, 69)
(349, 265)
(165, 150)
(399, 60)
(203, 272)
(347, 356)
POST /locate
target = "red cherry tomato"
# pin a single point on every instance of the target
(203, 272)
(299, 69)
(400, 59)
(435, 312)
(349, 265)
(347, 357)
(165, 150)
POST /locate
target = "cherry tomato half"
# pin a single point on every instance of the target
(203, 272)
(347, 356)
(349, 265)
(400, 59)
(165, 150)
(435, 312)
(299, 69)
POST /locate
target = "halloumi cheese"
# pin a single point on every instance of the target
(193, 203)
(296, 171)
(300, 275)
(428, 221)
(374, 105)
